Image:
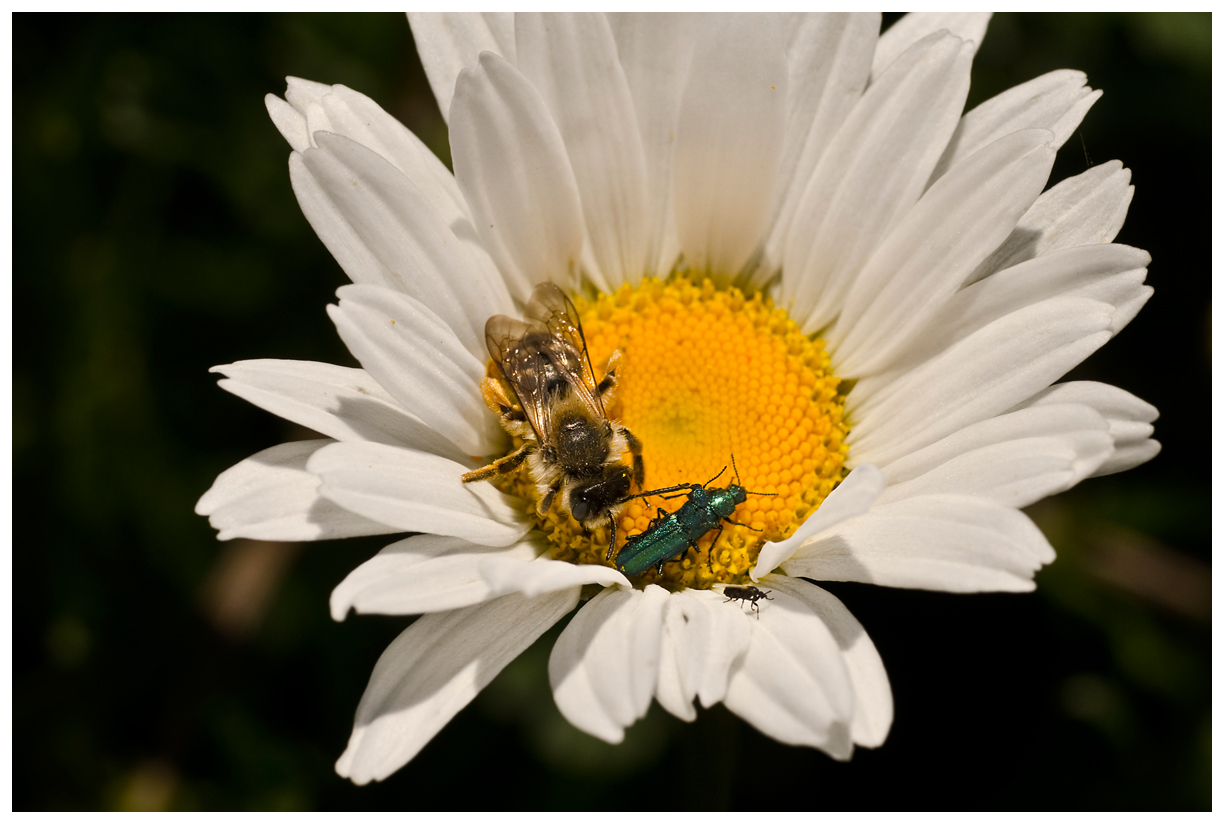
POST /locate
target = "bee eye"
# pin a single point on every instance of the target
(579, 509)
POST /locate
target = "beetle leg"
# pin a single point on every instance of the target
(710, 551)
(737, 523)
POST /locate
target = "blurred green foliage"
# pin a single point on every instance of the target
(156, 235)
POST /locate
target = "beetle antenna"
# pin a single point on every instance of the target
(716, 477)
(737, 481)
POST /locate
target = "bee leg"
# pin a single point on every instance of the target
(635, 447)
(495, 397)
(546, 502)
(501, 466)
(607, 386)
(512, 418)
(611, 536)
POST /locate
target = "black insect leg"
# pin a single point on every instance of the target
(611, 536)
(546, 502)
(745, 526)
(635, 448)
(710, 551)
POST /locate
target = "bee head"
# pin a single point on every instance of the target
(594, 499)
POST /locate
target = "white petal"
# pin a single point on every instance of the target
(829, 60)
(732, 119)
(336, 401)
(571, 59)
(914, 26)
(605, 665)
(872, 173)
(512, 168)
(655, 52)
(271, 497)
(1130, 420)
(1085, 209)
(433, 670)
(357, 117)
(948, 543)
(1109, 273)
(415, 356)
(385, 232)
(416, 492)
(423, 573)
(351, 114)
(1015, 473)
(1129, 451)
(873, 705)
(793, 684)
(712, 642)
(986, 373)
(851, 498)
(1049, 420)
(670, 691)
(1056, 101)
(449, 42)
(961, 218)
(531, 576)
(288, 121)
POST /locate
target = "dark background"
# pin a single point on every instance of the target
(156, 235)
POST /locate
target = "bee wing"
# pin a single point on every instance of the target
(525, 367)
(551, 310)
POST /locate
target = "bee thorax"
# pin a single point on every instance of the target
(581, 448)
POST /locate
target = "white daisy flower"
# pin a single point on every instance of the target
(808, 259)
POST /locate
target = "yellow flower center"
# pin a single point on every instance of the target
(709, 375)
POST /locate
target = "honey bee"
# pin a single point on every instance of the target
(572, 450)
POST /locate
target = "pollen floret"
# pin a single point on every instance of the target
(709, 375)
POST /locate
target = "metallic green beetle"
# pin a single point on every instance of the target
(670, 534)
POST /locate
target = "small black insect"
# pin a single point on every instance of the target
(750, 594)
